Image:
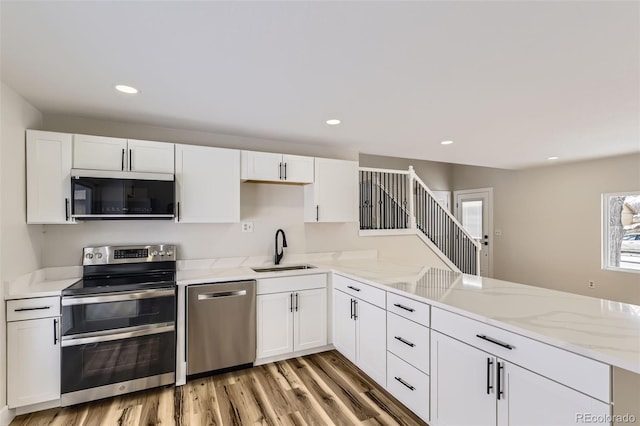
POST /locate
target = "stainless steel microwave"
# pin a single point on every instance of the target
(121, 195)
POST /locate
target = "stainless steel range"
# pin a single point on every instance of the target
(118, 323)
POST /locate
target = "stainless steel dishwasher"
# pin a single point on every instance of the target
(221, 326)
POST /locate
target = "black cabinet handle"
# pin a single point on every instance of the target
(66, 209)
(130, 155)
(178, 211)
(296, 302)
(494, 341)
(406, 342)
(355, 309)
(353, 288)
(317, 213)
(290, 302)
(351, 303)
(39, 308)
(122, 160)
(285, 171)
(500, 367)
(489, 365)
(55, 331)
(280, 171)
(404, 307)
(405, 383)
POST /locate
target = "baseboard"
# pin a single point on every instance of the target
(6, 415)
(282, 357)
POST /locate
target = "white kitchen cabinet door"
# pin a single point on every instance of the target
(344, 327)
(530, 399)
(207, 184)
(99, 153)
(265, 166)
(310, 319)
(462, 384)
(371, 338)
(150, 156)
(298, 168)
(48, 177)
(33, 361)
(333, 196)
(274, 324)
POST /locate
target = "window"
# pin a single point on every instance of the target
(621, 231)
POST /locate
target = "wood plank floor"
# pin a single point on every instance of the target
(320, 389)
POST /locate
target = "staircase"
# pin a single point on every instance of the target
(399, 202)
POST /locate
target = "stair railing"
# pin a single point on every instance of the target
(400, 200)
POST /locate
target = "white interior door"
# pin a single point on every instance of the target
(474, 210)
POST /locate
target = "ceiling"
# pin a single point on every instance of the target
(511, 83)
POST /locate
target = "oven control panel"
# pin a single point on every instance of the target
(106, 255)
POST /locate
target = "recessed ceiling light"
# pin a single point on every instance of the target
(552, 158)
(126, 89)
(446, 142)
(333, 122)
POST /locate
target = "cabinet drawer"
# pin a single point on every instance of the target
(409, 385)
(408, 308)
(37, 307)
(409, 341)
(557, 364)
(365, 292)
(297, 283)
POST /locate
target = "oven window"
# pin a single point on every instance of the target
(115, 311)
(98, 364)
(91, 317)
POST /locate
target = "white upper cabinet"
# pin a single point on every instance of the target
(207, 184)
(99, 153)
(297, 168)
(115, 154)
(271, 167)
(150, 156)
(48, 177)
(333, 196)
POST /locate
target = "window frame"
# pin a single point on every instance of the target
(604, 234)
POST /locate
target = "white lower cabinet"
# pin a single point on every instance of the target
(33, 351)
(494, 391)
(409, 385)
(290, 316)
(359, 334)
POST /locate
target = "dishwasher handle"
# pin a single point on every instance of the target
(217, 294)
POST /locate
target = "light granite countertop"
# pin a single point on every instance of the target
(600, 329)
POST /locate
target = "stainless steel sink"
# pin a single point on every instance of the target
(283, 268)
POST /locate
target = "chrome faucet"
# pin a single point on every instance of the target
(279, 256)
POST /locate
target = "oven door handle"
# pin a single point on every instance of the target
(116, 297)
(139, 332)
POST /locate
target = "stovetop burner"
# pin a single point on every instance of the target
(109, 269)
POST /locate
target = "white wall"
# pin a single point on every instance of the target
(551, 225)
(19, 243)
(437, 176)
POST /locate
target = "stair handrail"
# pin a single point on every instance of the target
(415, 177)
(406, 210)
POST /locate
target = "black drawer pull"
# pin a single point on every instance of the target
(406, 342)
(405, 383)
(39, 308)
(353, 288)
(494, 341)
(404, 307)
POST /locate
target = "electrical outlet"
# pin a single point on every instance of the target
(592, 284)
(247, 226)
(498, 232)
